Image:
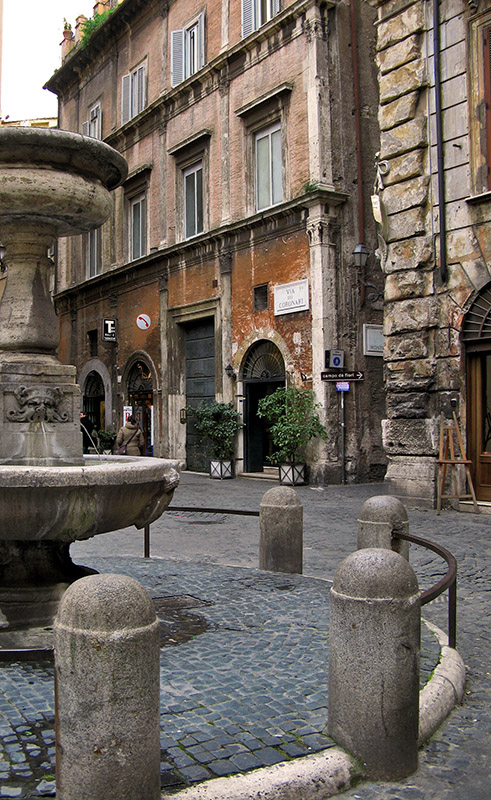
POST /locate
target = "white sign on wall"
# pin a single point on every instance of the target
(373, 340)
(291, 297)
(143, 321)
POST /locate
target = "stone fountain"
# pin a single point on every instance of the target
(53, 183)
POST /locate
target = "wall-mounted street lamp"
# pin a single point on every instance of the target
(360, 255)
(229, 372)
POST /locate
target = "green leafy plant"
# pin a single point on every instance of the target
(310, 186)
(294, 421)
(92, 24)
(217, 423)
(106, 439)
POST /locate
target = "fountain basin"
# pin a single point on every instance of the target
(64, 504)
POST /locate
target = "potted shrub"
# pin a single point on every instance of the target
(217, 425)
(106, 441)
(294, 422)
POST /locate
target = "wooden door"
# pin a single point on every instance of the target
(200, 384)
(479, 422)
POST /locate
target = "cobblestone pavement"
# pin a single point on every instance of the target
(250, 688)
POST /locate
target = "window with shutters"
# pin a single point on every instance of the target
(133, 93)
(256, 13)
(192, 157)
(479, 50)
(93, 126)
(187, 50)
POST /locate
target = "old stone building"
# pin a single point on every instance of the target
(434, 214)
(227, 268)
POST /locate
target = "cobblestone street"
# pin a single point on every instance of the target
(245, 656)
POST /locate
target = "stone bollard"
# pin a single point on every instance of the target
(281, 531)
(107, 696)
(373, 706)
(380, 517)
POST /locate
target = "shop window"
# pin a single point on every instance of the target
(187, 50)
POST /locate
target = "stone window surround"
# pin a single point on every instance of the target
(480, 183)
(136, 186)
(264, 111)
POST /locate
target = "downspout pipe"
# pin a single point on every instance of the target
(359, 163)
(439, 141)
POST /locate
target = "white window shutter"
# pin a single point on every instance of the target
(85, 128)
(125, 99)
(275, 7)
(201, 40)
(142, 87)
(177, 57)
(247, 17)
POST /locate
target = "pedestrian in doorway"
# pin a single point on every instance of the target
(87, 428)
(130, 441)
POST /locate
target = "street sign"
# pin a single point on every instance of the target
(342, 375)
(109, 330)
(335, 359)
(342, 386)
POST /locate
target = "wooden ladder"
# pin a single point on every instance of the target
(448, 459)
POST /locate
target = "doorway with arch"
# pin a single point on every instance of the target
(476, 337)
(263, 371)
(140, 400)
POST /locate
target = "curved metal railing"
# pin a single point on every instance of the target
(449, 580)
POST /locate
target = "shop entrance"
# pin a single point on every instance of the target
(140, 398)
(262, 373)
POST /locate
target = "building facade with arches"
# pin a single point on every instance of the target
(227, 268)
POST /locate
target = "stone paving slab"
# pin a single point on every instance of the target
(248, 692)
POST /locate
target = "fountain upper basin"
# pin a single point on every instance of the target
(106, 493)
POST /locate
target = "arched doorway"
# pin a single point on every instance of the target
(476, 336)
(94, 400)
(263, 371)
(140, 398)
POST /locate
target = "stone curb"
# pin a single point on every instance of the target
(331, 772)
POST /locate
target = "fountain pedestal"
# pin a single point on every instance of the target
(53, 183)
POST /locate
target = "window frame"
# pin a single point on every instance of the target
(138, 200)
(259, 135)
(94, 252)
(479, 103)
(133, 93)
(187, 50)
(193, 169)
(253, 12)
(93, 125)
(187, 154)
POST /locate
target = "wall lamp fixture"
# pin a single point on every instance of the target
(360, 255)
(229, 371)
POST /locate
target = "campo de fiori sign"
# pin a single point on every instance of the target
(290, 297)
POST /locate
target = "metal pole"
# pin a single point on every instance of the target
(343, 475)
(146, 541)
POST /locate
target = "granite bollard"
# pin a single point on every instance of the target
(373, 707)
(380, 518)
(281, 531)
(107, 691)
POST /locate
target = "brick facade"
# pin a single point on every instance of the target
(290, 81)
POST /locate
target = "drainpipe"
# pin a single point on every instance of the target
(439, 141)
(359, 165)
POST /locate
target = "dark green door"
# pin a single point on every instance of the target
(200, 384)
(257, 438)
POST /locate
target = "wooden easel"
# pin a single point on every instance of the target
(448, 459)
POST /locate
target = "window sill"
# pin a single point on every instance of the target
(476, 199)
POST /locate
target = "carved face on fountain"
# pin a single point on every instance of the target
(53, 183)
